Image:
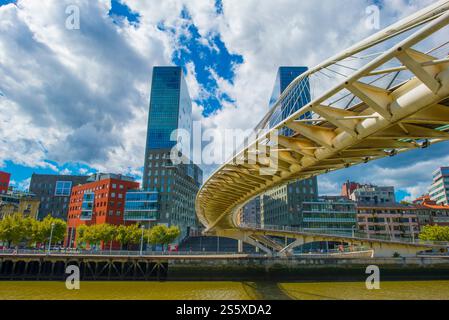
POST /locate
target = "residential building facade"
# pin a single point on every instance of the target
(368, 194)
(14, 202)
(4, 182)
(431, 213)
(388, 221)
(53, 192)
(168, 140)
(439, 190)
(100, 200)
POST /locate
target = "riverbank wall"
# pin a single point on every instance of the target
(312, 269)
(218, 268)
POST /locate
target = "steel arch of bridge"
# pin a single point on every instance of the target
(378, 121)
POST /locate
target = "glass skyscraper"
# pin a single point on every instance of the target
(170, 107)
(283, 205)
(176, 184)
(284, 78)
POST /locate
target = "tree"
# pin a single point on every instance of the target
(83, 236)
(15, 229)
(106, 233)
(127, 235)
(434, 233)
(163, 235)
(42, 230)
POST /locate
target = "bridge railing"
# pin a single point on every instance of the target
(116, 253)
(354, 234)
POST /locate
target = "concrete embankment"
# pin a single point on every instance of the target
(218, 267)
(310, 269)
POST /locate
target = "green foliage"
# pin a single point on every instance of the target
(43, 230)
(127, 235)
(162, 234)
(434, 233)
(15, 229)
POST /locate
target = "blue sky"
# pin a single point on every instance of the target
(93, 117)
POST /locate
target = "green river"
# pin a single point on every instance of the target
(224, 290)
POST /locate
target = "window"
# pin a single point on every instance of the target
(113, 195)
(63, 188)
(114, 186)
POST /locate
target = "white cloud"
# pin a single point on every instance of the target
(82, 96)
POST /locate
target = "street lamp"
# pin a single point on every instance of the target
(141, 240)
(51, 236)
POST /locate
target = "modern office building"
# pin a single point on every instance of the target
(335, 215)
(388, 221)
(100, 200)
(141, 206)
(250, 213)
(368, 194)
(439, 190)
(284, 78)
(170, 125)
(282, 205)
(18, 202)
(53, 192)
(4, 181)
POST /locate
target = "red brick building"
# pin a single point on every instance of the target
(101, 200)
(4, 182)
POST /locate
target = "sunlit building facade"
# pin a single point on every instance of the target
(100, 200)
(439, 190)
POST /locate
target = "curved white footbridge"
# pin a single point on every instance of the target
(385, 95)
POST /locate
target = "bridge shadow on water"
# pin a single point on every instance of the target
(265, 290)
(270, 290)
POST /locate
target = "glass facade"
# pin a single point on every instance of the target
(63, 188)
(141, 206)
(87, 206)
(335, 215)
(284, 77)
(170, 108)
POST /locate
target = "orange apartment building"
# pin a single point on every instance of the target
(101, 200)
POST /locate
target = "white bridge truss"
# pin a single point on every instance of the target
(385, 95)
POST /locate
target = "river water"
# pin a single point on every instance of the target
(222, 290)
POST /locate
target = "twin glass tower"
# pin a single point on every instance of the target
(283, 205)
(176, 184)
